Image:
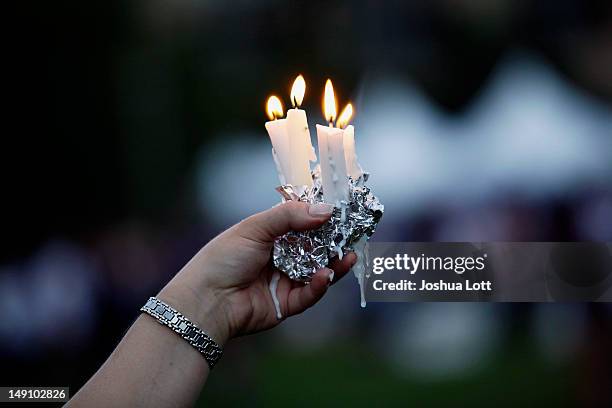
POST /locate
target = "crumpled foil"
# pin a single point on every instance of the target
(301, 254)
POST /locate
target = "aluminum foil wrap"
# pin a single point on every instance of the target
(301, 254)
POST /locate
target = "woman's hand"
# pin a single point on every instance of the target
(225, 287)
(224, 290)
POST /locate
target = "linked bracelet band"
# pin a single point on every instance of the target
(168, 316)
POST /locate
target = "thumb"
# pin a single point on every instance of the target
(290, 216)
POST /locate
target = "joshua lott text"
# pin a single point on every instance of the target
(441, 285)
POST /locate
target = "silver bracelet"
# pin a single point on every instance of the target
(168, 316)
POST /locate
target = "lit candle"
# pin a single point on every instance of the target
(352, 165)
(331, 153)
(277, 130)
(301, 150)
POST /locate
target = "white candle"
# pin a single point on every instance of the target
(300, 147)
(333, 164)
(352, 165)
(299, 125)
(277, 130)
(292, 147)
(331, 153)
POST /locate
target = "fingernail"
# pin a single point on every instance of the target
(354, 261)
(320, 209)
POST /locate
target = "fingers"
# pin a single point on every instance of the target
(341, 267)
(301, 298)
(289, 216)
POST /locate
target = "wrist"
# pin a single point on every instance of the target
(204, 307)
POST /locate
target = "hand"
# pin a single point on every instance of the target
(225, 287)
(224, 290)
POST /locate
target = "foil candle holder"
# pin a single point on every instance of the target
(301, 254)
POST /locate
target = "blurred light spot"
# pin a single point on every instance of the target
(437, 340)
(237, 178)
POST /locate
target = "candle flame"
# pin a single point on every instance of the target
(274, 108)
(329, 103)
(345, 116)
(297, 91)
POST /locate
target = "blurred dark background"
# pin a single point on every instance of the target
(135, 134)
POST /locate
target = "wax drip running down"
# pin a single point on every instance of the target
(332, 164)
(279, 171)
(360, 267)
(335, 179)
(343, 212)
(339, 250)
(272, 287)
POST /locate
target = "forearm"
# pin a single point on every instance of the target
(224, 290)
(152, 366)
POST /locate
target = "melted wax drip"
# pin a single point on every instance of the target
(332, 164)
(341, 244)
(359, 269)
(281, 176)
(273, 286)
